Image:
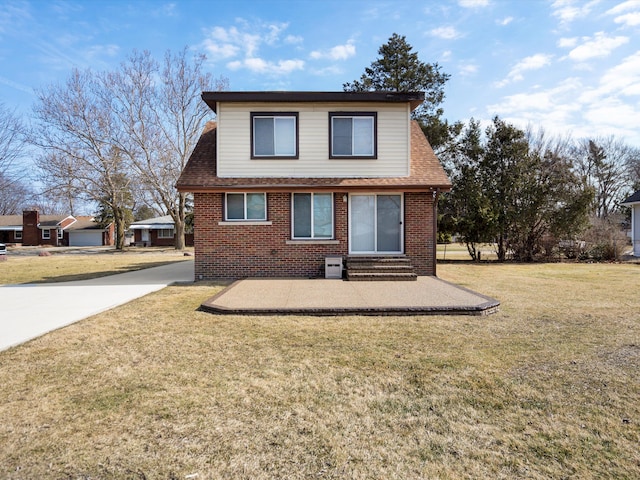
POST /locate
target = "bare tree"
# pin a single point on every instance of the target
(161, 117)
(604, 162)
(74, 127)
(14, 192)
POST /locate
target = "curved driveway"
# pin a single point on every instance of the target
(30, 310)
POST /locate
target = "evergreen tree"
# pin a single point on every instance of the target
(398, 69)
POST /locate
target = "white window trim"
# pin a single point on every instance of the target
(245, 222)
(312, 241)
(17, 234)
(313, 237)
(46, 234)
(60, 234)
(161, 235)
(245, 219)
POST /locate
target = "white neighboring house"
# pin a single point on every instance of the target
(634, 203)
(158, 231)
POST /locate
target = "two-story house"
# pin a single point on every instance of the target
(283, 180)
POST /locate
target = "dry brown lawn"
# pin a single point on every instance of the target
(549, 387)
(63, 267)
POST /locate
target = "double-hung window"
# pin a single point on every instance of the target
(312, 215)
(165, 233)
(353, 134)
(60, 234)
(17, 235)
(274, 135)
(46, 234)
(246, 206)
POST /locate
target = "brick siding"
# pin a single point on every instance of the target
(240, 251)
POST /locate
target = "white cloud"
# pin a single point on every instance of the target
(622, 79)
(339, 52)
(505, 21)
(606, 105)
(293, 39)
(448, 33)
(567, 42)
(569, 10)
(534, 62)
(16, 85)
(259, 65)
(109, 50)
(220, 51)
(624, 6)
(598, 46)
(468, 70)
(473, 3)
(240, 45)
(629, 19)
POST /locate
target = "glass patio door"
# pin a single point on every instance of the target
(375, 224)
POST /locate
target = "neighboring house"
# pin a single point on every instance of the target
(10, 228)
(86, 232)
(32, 229)
(634, 203)
(284, 180)
(158, 231)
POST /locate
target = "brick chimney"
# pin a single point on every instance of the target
(30, 232)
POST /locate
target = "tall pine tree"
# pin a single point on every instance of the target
(398, 69)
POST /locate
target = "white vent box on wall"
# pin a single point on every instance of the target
(333, 267)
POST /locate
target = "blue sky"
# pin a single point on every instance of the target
(570, 66)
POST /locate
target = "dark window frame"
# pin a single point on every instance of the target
(373, 115)
(274, 115)
(333, 216)
(245, 211)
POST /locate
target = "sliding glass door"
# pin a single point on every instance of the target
(375, 224)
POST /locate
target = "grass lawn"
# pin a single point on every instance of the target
(549, 387)
(458, 251)
(63, 267)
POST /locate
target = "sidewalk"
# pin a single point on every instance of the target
(31, 310)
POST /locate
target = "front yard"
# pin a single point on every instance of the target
(62, 266)
(546, 388)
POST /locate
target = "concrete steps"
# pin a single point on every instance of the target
(393, 268)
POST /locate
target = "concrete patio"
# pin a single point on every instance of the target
(326, 297)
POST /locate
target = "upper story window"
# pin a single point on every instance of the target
(353, 135)
(274, 135)
(246, 206)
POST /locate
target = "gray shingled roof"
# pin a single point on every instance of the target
(153, 223)
(635, 198)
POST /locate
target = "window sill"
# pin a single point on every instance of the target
(312, 241)
(245, 222)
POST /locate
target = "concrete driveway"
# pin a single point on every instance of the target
(30, 310)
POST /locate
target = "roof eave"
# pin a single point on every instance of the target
(415, 99)
(273, 188)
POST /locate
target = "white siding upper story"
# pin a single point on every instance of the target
(635, 229)
(234, 142)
